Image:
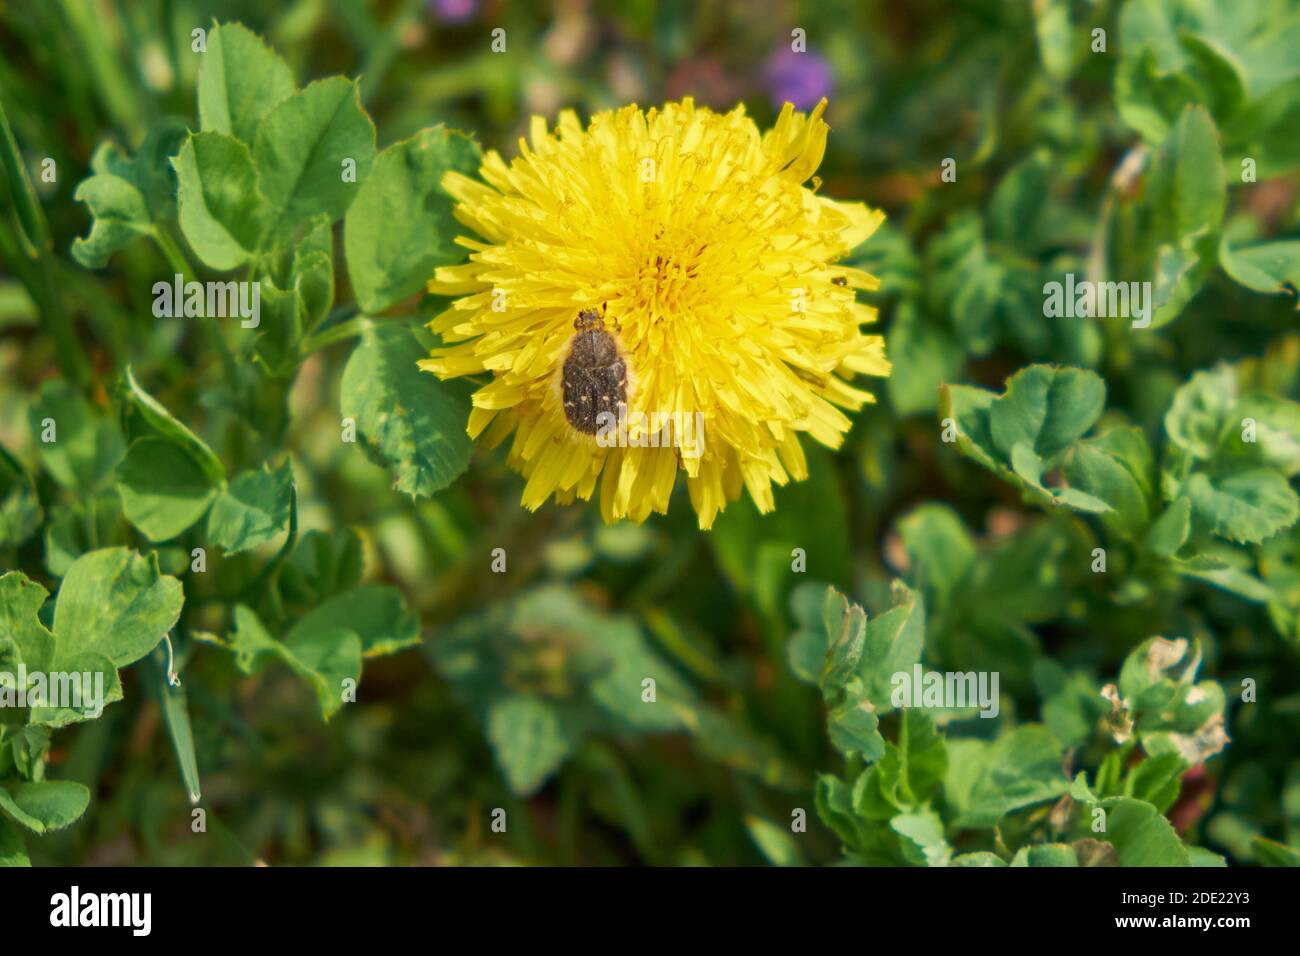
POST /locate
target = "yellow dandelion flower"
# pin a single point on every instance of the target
(711, 258)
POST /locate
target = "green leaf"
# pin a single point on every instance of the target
(1270, 129)
(776, 843)
(987, 781)
(1020, 578)
(1266, 267)
(145, 416)
(834, 803)
(323, 655)
(891, 644)
(163, 488)
(862, 654)
(1174, 717)
(322, 565)
(329, 657)
(126, 195)
(20, 603)
(1276, 425)
(843, 631)
(28, 747)
(252, 509)
(529, 740)
(401, 226)
(115, 603)
(1158, 779)
(302, 146)
(11, 660)
(412, 421)
(375, 612)
(1147, 99)
(1046, 408)
(1200, 856)
(1047, 854)
(120, 216)
(82, 672)
(923, 841)
(313, 269)
(1201, 411)
(1170, 531)
(755, 551)
(1246, 506)
(606, 661)
(1115, 469)
(86, 447)
(1271, 853)
(1153, 671)
(1029, 467)
(1055, 37)
(82, 525)
(1140, 835)
(858, 659)
(920, 758)
(44, 806)
(975, 306)
(853, 727)
(20, 508)
(253, 646)
(924, 356)
(1186, 187)
(150, 169)
(12, 850)
(1180, 271)
(241, 79)
(279, 342)
(1223, 76)
(1234, 580)
(1072, 705)
(223, 213)
(806, 652)
(1018, 204)
(940, 549)
(626, 658)
(965, 409)
(728, 741)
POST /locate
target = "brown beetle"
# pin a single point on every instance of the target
(594, 378)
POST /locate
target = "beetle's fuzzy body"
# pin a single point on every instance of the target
(594, 377)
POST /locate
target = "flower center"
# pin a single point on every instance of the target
(668, 278)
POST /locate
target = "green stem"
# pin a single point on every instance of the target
(32, 254)
(72, 360)
(95, 39)
(335, 333)
(181, 263)
(273, 566)
(37, 275)
(385, 47)
(35, 229)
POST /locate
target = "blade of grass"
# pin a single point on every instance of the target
(176, 717)
(96, 40)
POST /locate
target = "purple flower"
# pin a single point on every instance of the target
(798, 78)
(453, 11)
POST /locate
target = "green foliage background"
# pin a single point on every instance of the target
(1102, 514)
